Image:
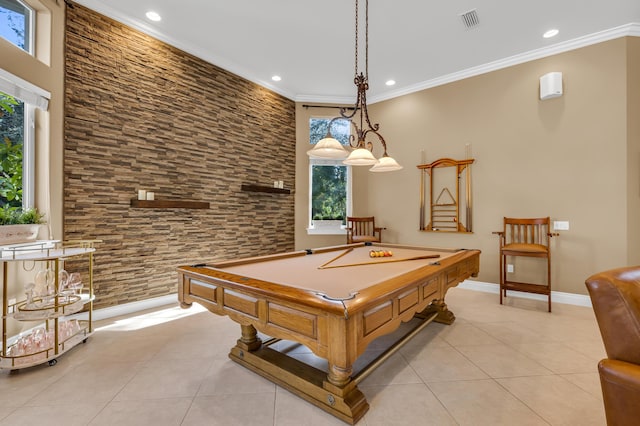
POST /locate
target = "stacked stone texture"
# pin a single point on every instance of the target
(142, 114)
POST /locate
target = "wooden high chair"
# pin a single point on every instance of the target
(530, 238)
(363, 229)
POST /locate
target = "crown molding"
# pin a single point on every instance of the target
(632, 29)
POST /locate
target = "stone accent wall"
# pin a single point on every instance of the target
(142, 114)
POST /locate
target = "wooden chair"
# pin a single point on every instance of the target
(615, 296)
(363, 229)
(530, 238)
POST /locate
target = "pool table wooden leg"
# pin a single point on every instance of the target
(339, 376)
(445, 316)
(249, 340)
(342, 350)
(345, 402)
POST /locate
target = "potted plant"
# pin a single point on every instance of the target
(18, 225)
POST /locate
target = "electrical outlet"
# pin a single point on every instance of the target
(509, 268)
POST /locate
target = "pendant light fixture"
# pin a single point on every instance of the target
(362, 154)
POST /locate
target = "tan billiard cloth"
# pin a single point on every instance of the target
(341, 282)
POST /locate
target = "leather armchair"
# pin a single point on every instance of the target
(615, 296)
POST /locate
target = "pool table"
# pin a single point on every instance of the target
(333, 300)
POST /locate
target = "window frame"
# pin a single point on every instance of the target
(332, 229)
(29, 31)
(32, 98)
(29, 157)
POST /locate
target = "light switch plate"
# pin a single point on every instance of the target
(560, 225)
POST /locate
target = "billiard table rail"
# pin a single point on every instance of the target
(238, 272)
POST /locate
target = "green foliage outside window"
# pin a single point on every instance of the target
(15, 23)
(329, 187)
(11, 152)
(340, 129)
(328, 182)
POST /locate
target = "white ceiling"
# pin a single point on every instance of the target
(418, 43)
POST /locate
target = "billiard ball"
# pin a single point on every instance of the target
(380, 253)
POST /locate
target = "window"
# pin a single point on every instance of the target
(329, 188)
(16, 23)
(329, 181)
(18, 102)
(16, 152)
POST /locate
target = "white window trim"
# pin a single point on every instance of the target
(32, 29)
(29, 157)
(329, 230)
(23, 90)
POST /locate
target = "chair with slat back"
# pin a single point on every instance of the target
(530, 238)
(363, 230)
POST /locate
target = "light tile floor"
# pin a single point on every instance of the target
(513, 364)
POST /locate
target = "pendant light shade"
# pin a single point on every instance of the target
(360, 157)
(385, 164)
(329, 148)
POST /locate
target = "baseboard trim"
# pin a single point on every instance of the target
(556, 296)
(129, 308)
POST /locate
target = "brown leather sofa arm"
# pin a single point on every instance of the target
(621, 391)
(615, 296)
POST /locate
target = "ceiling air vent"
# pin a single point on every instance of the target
(470, 19)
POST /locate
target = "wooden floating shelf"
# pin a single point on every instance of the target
(262, 188)
(169, 204)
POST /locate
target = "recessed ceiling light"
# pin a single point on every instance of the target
(154, 16)
(551, 33)
(276, 78)
(390, 82)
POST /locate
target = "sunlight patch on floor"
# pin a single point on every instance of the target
(152, 318)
